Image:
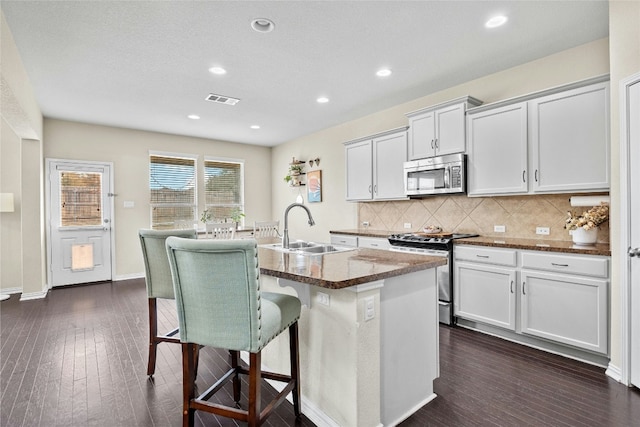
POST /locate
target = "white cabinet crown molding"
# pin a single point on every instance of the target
(538, 94)
(470, 100)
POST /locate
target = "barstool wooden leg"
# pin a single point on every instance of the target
(235, 356)
(153, 332)
(255, 377)
(188, 385)
(295, 367)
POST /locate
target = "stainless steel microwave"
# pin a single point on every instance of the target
(435, 175)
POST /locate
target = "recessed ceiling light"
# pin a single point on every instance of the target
(255, 127)
(384, 72)
(193, 117)
(262, 25)
(496, 21)
(217, 70)
(322, 100)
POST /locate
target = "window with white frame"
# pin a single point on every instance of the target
(224, 189)
(172, 188)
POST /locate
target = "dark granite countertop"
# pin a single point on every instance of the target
(514, 243)
(366, 232)
(537, 245)
(342, 269)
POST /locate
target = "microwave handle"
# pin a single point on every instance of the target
(446, 177)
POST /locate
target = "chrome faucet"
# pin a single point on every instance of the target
(285, 233)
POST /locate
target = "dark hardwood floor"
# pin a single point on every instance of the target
(78, 358)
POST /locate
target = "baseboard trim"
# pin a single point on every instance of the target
(10, 291)
(34, 295)
(614, 372)
(121, 277)
(413, 410)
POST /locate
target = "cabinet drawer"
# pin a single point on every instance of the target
(485, 255)
(570, 264)
(341, 239)
(373, 243)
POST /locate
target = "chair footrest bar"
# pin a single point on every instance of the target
(217, 386)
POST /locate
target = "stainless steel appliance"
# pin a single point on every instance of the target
(435, 175)
(441, 246)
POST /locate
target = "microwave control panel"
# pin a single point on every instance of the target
(456, 177)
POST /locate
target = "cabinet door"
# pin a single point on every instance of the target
(359, 157)
(344, 240)
(565, 308)
(389, 155)
(450, 130)
(497, 151)
(374, 243)
(570, 140)
(422, 134)
(485, 294)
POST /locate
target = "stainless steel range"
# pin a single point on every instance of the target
(441, 245)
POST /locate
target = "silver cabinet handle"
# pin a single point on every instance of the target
(524, 172)
(634, 252)
(559, 265)
(511, 287)
(375, 189)
(374, 244)
(482, 256)
(536, 175)
(436, 142)
(369, 189)
(523, 292)
(432, 141)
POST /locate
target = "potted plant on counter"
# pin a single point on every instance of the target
(584, 227)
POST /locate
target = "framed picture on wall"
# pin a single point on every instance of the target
(314, 186)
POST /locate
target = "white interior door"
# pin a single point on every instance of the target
(633, 116)
(79, 222)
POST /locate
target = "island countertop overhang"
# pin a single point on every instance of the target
(343, 269)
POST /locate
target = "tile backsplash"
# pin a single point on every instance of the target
(519, 214)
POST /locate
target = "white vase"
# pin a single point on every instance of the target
(585, 237)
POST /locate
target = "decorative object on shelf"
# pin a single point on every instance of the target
(584, 227)
(314, 189)
(296, 169)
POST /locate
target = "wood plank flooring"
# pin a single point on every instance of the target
(78, 358)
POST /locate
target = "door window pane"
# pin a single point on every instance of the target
(80, 199)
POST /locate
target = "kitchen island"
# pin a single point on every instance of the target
(368, 332)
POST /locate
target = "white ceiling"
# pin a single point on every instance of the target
(144, 64)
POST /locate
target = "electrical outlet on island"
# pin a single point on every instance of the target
(407, 225)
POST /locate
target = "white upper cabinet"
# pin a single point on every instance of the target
(570, 140)
(375, 166)
(359, 170)
(439, 129)
(495, 136)
(551, 142)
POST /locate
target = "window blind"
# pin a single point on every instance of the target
(172, 187)
(223, 182)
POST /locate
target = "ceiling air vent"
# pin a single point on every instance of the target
(221, 99)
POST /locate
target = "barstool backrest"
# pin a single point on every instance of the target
(220, 230)
(217, 292)
(156, 263)
(263, 229)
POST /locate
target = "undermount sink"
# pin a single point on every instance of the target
(307, 248)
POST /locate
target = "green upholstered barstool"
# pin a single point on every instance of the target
(159, 283)
(219, 303)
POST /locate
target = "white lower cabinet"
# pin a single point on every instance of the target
(344, 240)
(561, 298)
(485, 294)
(565, 298)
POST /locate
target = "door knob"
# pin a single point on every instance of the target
(634, 252)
